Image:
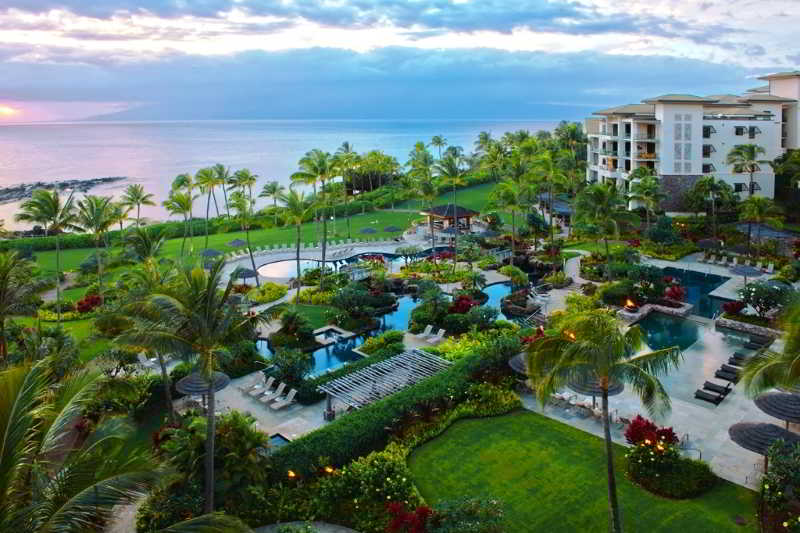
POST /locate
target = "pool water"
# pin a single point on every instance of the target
(698, 285)
(662, 331)
(400, 318)
(327, 357)
(497, 292)
(277, 440)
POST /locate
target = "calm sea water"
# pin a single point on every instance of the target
(153, 153)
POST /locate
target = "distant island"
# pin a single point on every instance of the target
(25, 190)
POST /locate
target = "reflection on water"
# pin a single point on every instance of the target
(662, 331)
(327, 357)
(400, 318)
(698, 285)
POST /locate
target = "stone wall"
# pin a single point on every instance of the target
(675, 188)
(750, 329)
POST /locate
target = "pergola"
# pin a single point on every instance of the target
(450, 215)
(377, 381)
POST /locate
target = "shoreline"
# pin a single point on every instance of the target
(21, 191)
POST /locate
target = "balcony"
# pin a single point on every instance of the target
(645, 136)
(708, 150)
(647, 156)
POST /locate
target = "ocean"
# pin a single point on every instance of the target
(153, 153)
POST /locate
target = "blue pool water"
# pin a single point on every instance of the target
(401, 317)
(662, 331)
(497, 292)
(698, 286)
(327, 357)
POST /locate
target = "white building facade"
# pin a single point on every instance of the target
(684, 137)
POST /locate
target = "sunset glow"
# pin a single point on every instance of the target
(8, 111)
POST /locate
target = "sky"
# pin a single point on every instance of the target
(64, 60)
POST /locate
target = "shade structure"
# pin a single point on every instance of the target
(242, 273)
(781, 405)
(518, 364)
(392, 229)
(369, 230)
(195, 383)
(592, 388)
(709, 244)
(209, 252)
(758, 437)
(746, 270)
(237, 242)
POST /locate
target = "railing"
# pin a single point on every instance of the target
(644, 136)
(647, 155)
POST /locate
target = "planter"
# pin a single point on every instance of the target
(750, 329)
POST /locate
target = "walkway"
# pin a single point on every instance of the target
(319, 527)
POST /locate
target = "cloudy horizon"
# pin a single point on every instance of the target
(444, 59)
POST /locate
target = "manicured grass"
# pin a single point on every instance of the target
(552, 477)
(70, 259)
(471, 197)
(599, 246)
(316, 314)
(81, 331)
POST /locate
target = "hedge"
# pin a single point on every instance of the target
(365, 430)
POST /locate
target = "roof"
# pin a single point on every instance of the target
(629, 109)
(779, 75)
(448, 211)
(762, 89)
(726, 98)
(689, 98)
(765, 98)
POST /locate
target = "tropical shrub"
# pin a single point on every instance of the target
(763, 297)
(243, 359)
(373, 344)
(557, 279)
(242, 288)
(89, 303)
(658, 467)
(52, 316)
(291, 365)
(305, 528)
(268, 292)
(617, 292)
(641, 429)
(467, 516)
(675, 292)
(314, 296)
(780, 485)
(109, 325)
(462, 303)
(663, 232)
(734, 307)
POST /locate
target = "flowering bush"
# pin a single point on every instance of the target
(781, 481)
(404, 520)
(88, 303)
(641, 429)
(242, 288)
(462, 303)
(52, 316)
(268, 292)
(659, 468)
(733, 308)
(635, 243)
(675, 292)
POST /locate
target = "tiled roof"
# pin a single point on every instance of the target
(629, 109)
(778, 75)
(678, 98)
(448, 211)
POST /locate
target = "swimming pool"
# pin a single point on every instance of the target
(698, 285)
(662, 331)
(327, 357)
(497, 292)
(400, 317)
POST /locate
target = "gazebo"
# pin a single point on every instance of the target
(450, 215)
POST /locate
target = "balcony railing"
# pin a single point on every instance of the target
(644, 136)
(650, 156)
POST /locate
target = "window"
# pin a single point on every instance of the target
(678, 132)
(678, 167)
(687, 150)
(708, 167)
(739, 130)
(753, 131)
(687, 117)
(678, 151)
(707, 131)
(739, 187)
(678, 117)
(687, 132)
(687, 168)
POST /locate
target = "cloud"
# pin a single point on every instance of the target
(386, 83)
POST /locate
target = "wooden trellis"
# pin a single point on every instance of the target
(377, 381)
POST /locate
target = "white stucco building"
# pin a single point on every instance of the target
(683, 137)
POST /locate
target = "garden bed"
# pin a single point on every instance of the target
(749, 328)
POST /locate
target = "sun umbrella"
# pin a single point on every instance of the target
(237, 242)
(195, 383)
(211, 253)
(781, 405)
(369, 230)
(242, 273)
(709, 244)
(392, 229)
(518, 364)
(746, 270)
(759, 437)
(592, 388)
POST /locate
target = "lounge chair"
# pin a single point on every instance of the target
(716, 399)
(283, 402)
(735, 261)
(731, 369)
(147, 362)
(727, 376)
(436, 339)
(770, 268)
(269, 396)
(737, 361)
(723, 390)
(264, 388)
(426, 332)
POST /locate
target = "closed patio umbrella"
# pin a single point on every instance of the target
(211, 253)
(592, 388)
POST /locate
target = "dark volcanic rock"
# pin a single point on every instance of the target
(25, 190)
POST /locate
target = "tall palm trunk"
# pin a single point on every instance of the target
(225, 196)
(615, 524)
(513, 233)
(185, 231)
(250, 250)
(214, 196)
(58, 278)
(138, 212)
(750, 222)
(208, 207)
(165, 381)
(297, 258)
(455, 235)
(608, 260)
(208, 505)
(324, 239)
(275, 209)
(316, 218)
(99, 266)
(433, 238)
(191, 227)
(714, 213)
(347, 212)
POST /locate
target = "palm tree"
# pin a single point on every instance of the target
(274, 190)
(449, 171)
(429, 192)
(744, 158)
(143, 243)
(206, 179)
(438, 141)
(46, 207)
(318, 166)
(590, 347)
(711, 187)
(346, 161)
(646, 190)
(135, 197)
(95, 215)
(506, 197)
(602, 205)
(420, 165)
(16, 291)
(180, 203)
(244, 212)
(550, 172)
(297, 210)
(474, 280)
(195, 316)
(759, 210)
(223, 176)
(483, 142)
(185, 183)
(767, 369)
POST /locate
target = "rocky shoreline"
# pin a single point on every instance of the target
(15, 193)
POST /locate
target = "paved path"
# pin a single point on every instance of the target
(320, 527)
(50, 294)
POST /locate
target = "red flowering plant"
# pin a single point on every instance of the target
(88, 303)
(635, 243)
(675, 292)
(796, 248)
(642, 430)
(733, 308)
(242, 288)
(462, 303)
(407, 521)
(441, 256)
(668, 279)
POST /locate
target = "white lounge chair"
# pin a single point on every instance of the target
(283, 402)
(263, 388)
(436, 339)
(146, 362)
(760, 265)
(770, 268)
(735, 261)
(269, 396)
(426, 332)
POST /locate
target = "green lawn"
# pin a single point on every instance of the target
(552, 477)
(599, 246)
(70, 259)
(472, 197)
(81, 331)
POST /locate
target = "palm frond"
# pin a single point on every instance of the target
(646, 386)
(209, 523)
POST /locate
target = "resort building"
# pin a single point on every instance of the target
(684, 137)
